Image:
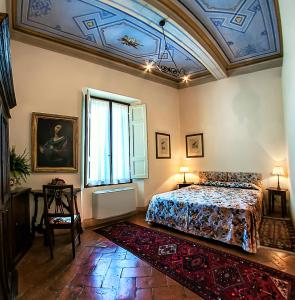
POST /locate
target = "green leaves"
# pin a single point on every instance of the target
(19, 165)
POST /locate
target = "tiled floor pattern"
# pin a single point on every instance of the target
(112, 272)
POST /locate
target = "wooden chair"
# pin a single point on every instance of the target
(61, 212)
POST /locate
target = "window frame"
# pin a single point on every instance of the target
(86, 141)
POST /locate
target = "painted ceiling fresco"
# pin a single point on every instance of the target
(244, 29)
(103, 27)
(128, 31)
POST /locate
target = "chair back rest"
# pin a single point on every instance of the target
(58, 200)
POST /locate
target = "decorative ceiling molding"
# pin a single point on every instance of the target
(48, 44)
(126, 34)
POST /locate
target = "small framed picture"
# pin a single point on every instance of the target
(163, 146)
(54, 143)
(194, 145)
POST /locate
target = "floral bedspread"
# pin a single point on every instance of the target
(228, 214)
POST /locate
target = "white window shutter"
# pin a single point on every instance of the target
(138, 141)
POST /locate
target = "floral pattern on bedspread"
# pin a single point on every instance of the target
(230, 215)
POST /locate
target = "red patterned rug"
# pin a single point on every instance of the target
(277, 233)
(210, 273)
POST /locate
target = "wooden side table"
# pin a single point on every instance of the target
(272, 192)
(182, 185)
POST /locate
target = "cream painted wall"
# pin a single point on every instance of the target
(287, 8)
(50, 82)
(241, 117)
(242, 121)
(3, 7)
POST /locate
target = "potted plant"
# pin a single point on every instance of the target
(19, 167)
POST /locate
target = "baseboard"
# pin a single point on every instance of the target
(142, 209)
(92, 223)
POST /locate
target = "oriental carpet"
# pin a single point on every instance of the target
(277, 233)
(210, 273)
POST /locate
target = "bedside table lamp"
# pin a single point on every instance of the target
(183, 170)
(279, 171)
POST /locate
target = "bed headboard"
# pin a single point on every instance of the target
(250, 177)
(212, 176)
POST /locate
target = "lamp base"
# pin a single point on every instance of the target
(184, 181)
(278, 187)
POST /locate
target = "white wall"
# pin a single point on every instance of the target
(50, 82)
(242, 121)
(288, 81)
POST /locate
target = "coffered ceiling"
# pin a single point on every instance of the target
(206, 38)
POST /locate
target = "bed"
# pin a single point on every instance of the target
(223, 206)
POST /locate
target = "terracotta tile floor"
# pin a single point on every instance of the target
(112, 272)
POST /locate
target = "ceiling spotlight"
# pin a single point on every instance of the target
(149, 65)
(185, 78)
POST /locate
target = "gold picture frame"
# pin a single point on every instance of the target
(54, 143)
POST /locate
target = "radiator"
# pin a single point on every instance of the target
(113, 202)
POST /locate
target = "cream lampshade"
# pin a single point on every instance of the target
(184, 170)
(279, 171)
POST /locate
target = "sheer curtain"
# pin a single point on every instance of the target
(99, 143)
(120, 143)
(101, 170)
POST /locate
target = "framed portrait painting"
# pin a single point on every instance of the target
(163, 146)
(194, 145)
(54, 143)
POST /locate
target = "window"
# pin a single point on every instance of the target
(107, 151)
(115, 139)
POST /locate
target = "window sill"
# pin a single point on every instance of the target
(120, 189)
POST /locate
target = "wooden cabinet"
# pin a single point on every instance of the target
(8, 275)
(6, 81)
(20, 219)
(7, 272)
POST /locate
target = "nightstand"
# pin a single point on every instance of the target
(182, 185)
(272, 192)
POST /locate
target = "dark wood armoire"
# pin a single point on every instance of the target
(8, 275)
